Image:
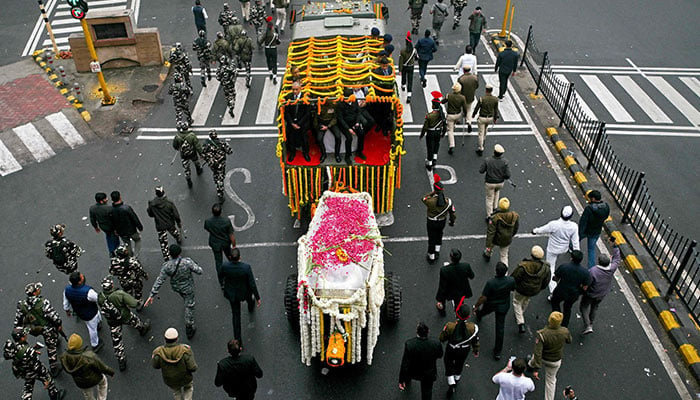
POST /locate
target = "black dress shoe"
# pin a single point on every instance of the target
(479, 152)
(451, 150)
(521, 328)
(323, 158)
(290, 157)
(306, 157)
(496, 356)
(469, 128)
(337, 158)
(360, 155)
(348, 159)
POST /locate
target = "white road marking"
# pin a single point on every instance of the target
(204, 102)
(609, 101)
(506, 108)
(8, 163)
(692, 83)
(430, 86)
(38, 29)
(167, 136)
(35, 143)
(241, 95)
(67, 13)
(93, 4)
(236, 199)
(267, 109)
(642, 99)
(584, 107)
(650, 133)
(64, 128)
(407, 112)
(676, 99)
(70, 29)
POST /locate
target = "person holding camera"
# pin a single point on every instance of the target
(512, 381)
(602, 275)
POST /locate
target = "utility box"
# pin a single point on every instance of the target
(117, 41)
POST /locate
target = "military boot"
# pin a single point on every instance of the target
(122, 364)
(59, 395)
(189, 182)
(55, 370)
(145, 327)
(190, 330)
(204, 82)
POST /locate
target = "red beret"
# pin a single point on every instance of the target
(268, 19)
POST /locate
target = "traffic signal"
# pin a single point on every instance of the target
(78, 8)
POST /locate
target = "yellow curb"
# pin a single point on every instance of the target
(63, 91)
(58, 83)
(632, 262)
(619, 238)
(559, 145)
(649, 289)
(53, 76)
(668, 320)
(569, 161)
(86, 116)
(535, 96)
(690, 355)
(579, 177)
(70, 98)
(551, 131)
(608, 219)
(42, 64)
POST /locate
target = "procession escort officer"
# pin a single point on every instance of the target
(167, 219)
(438, 207)
(202, 46)
(39, 317)
(434, 128)
(63, 252)
(270, 41)
(243, 47)
(181, 93)
(128, 271)
(186, 142)
(226, 75)
(226, 17)
(214, 153)
(180, 62)
(457, 6)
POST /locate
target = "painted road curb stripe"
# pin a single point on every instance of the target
(667, 318)
(61, 86)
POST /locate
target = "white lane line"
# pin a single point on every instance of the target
(47, 42)
(497, 127)
(407, 112)
(63, 126)
(136, 6)
(36, 144)
(652, 127)
(8, 164)
(241, 95)
(204, 103)
(648, 133)
(430, 86)
(676, 99)
(163, 136)
(692, 83)
(66, 21)
(38, 30)
(506, 107)
(94, 5)
(71, 29)
(584, 107)
(67, 13)
(642, 99)
(609, 101)
(267, 109)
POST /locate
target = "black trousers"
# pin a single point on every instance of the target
(454, 360)
(503, 83)
(297, 138)
(337, 133)
(236, 315)
(271, 59)
(218, 259)
(435, 229)
(432, 143)
(487, 309)
(557, 299)
(407, 78)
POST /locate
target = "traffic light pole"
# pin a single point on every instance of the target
(107, 100)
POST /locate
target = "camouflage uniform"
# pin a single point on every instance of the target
(26, 365)
(129, 271)
(180, 270)
(186, 142)
(243, 47)
(181, 63)
(36, 314)
(204, 55)
(214, 154)
(457, 5)
(416, 7)
(226, 74)
(63, 252)
(116, 305)
(167, 219)
(221, 47)
(257, 18)
(234, 31)
(181, 93)
(226, 17)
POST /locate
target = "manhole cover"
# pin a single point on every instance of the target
(150, 88)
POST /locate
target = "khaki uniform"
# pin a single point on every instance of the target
(487, 107)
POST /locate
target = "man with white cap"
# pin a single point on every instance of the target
(176, 362)
(531, 277)
(496, 172)
(563, 234)
(487, 109)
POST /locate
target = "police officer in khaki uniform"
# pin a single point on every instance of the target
(487, 107)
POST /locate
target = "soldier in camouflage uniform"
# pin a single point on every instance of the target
(63, 252)
(226, 74)
(226, 17)
(181, 63)
(221, 47)
(181, 99)
(167, 219)
(26, 365)
(214, 154)
(36, 314)
(244, 48)
(204, 55)
(180, 270)
(128, 270)
(416, 7)
(257, 18)
(234, 31)
(186, 142)
(116, 307)
(457, 5)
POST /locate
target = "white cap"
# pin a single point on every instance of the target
(171, 334)
(499, 149)
(360, 95)
(567, 211)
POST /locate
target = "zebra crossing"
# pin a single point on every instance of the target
(39, 140)
(663, 99)
(63, 25)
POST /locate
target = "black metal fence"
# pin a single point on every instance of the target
(675, 254)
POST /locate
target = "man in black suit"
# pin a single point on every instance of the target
(354, 119)
(454, 282)
(382, 112)
(296, 118)
(506, 64)
(239, 285)
(420, 355)
(237, 373)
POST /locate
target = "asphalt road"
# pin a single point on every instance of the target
(61, 190)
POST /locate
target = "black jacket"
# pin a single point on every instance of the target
(297, 113)
(124, 220)
(454, 282)
(348, 114)
(237, 375)
(592, 219)
(239, 283)
(164, 212)
(100, 216)
(496, 169)
(419, 358)
(507, 61)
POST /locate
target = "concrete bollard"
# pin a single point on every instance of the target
(62, 72)
(78, 94)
